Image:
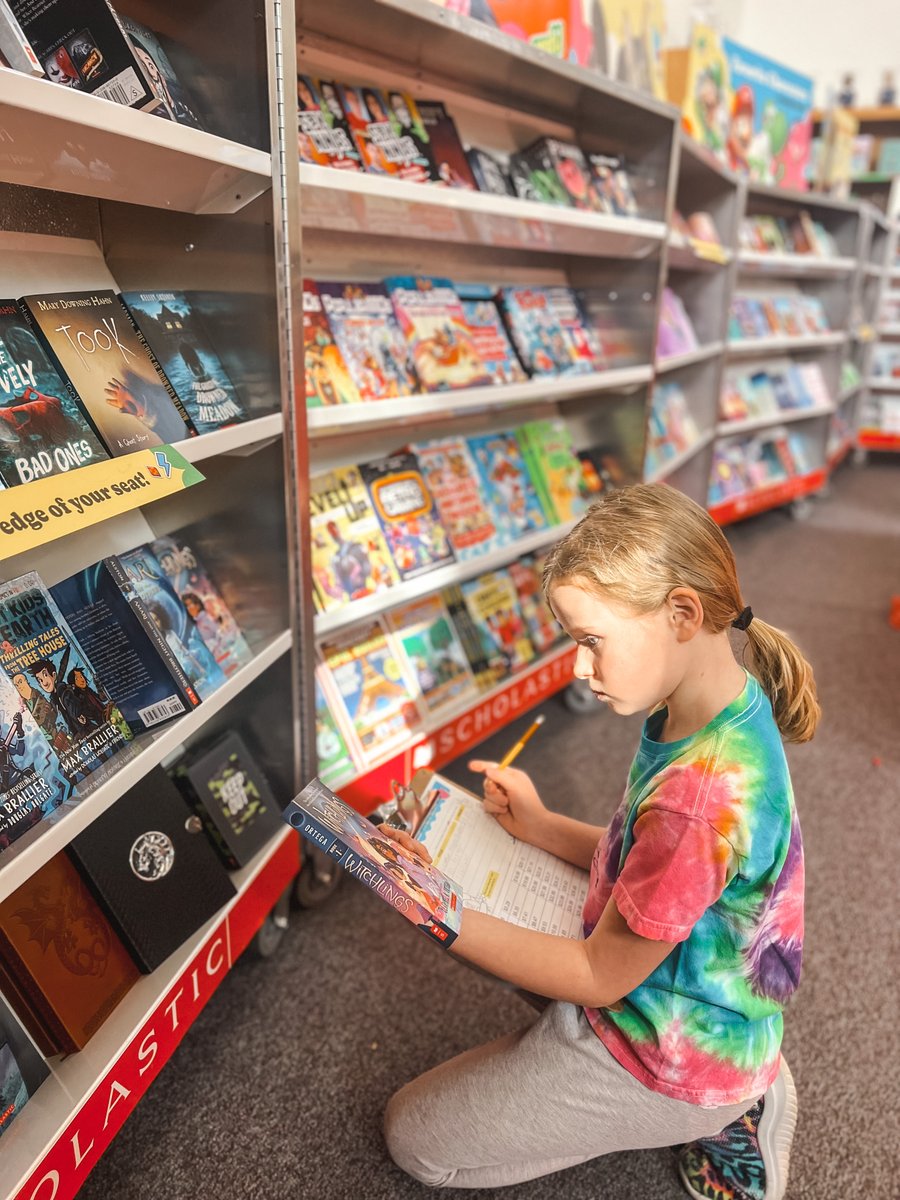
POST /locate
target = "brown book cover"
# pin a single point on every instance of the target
(56, 942)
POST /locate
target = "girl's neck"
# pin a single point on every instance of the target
(712, 681)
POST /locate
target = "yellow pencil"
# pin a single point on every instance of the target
(515, 750)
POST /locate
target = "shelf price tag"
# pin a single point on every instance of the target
(709, 250)
(40, 512)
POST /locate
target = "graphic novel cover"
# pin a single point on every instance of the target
(409, 129)
(362, 322)
(350, 558)
(324, 370)
(32, 782)
(570, 168)
(490, 172)
(543, 628)
(452, 477)
(322, 128)
(536, 332)
(434, 325)
(449, 163)
(488, 666)
(43, 431)
(376, 696)
(383, 150)
(174, 330)
(492, 344)
(493, 604)
(56, 680)
(554, 467)
(406, 510)
(509, 488)
(613, 185)
(432, 652)
(204, 602)
(585, 347)
(412, 887)
(171, 618)
(160, 73)
(335, 761)
(93, 343)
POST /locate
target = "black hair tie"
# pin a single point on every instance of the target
(743, 621)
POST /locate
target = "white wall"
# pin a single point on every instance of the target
(820, 38)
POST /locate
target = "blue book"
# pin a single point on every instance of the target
(32, 783)
(508, 486)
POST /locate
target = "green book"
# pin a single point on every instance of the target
(554, 467)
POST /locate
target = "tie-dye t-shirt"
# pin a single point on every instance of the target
(705, 851)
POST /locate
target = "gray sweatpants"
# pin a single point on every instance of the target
(533, 1102)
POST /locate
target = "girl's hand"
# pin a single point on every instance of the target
(406, 842)
(511, 797)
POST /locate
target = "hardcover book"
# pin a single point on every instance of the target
(493, 604)
(204, 602)
(335, 762)
(43, 430)
(543, 628)
(432, 653)
(434, 325)
(452, 478)
(554, 467)
(231, 795)
(68, 966)
(66, 697)
(160, 73)
(508, 486)
(91, 341)
(382, 150)
(350, 558)
(27, 1065)
(365, 330)
(32, 783)
(488, 666)
(448, 159)
(536, 332)
(170, 325)
(488, 332)
(151, 870)
(406, 511)
(126, 645)
(375, 695)
(325, 373)
(171, 618)
(324, 137)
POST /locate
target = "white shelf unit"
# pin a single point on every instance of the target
(871, 413)
(98, 195)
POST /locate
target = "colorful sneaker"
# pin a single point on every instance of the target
(749, 1159)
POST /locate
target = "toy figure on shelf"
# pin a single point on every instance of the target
(887, 96)
(847, 94)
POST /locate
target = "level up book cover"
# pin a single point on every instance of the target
(350, 558)
(323, 135)
(173, 621)
(415, 889)
(204, 602)
(536, 332)
(406, 511)
(508, 486)
(432, 652)
(362, 322)
(32, 782)
(452, 478)
(43, 431)
(493, 605)
(325, 373)
(174, 330)
(56, 680)
(434, 325)
(92, 342)
(492, 344)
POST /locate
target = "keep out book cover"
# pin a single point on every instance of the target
(434, 325)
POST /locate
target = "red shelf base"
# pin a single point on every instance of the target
(774, 496)
(874, 439)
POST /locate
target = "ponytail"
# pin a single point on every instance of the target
(786, 678)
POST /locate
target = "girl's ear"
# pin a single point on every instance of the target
(685, 612)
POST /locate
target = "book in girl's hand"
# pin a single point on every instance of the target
(92, 343)
(554, 468)
(452, 477)
(434, 324)
(172, 327)
(412, 887)
(160, 73)
(489, 334)
(365, 330)
(406, 511)
(508, 486)
(536, 331)
(432, 653)
(449, 164)
(325, 373)
(324, 137)
(32, 782)
(493, 605)
(43, 430)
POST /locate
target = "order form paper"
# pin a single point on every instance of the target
(497, 873)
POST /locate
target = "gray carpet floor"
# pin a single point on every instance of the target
(277, 1090)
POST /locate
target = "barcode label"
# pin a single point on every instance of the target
(154, 713)
(124, 89)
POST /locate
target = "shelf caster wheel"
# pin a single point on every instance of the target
(801, 509)
(579, 699)
(319, 877)
(270, 934)
(860, 457)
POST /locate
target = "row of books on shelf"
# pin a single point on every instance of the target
(86, 375)
(671, 428)
(800, 234)
(840, 433)
(382, 684)
(412, 334)
(885, 361)
(697, 226)
(882, 413)
(889, 309)
(379, 523)
(781, 386)
(742, 465)
(878, 154)
(675, 332)
(389, 133)
(786, 313)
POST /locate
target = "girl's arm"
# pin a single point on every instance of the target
(574, 841)
(597, 972)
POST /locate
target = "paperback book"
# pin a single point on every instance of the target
(173, 330)
(554, 468)
(383, 149)
(325, 373)
(95, 348)
(24, 1074)
(543, 628)
(570, 171)
(43, 430)
(493, 605)
(415, 536)
(365, 330)
(452, 478)
(32, 782)
(613, 185)
(434, 325)
(489, 335)
(432, 653)
(411, 134)
(324, 136)
(536, 332)
(490, 171)
(508, 486)
(412, 887)
(449, 164)
(487, 664)
(333, 756)
(350, 558)
(585, 347)
(17, 52)
(160, 73)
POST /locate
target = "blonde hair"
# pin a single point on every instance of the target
(639, 543)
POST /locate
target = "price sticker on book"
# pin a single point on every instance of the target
(40, 512)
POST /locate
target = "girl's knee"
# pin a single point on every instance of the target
(406, 1134)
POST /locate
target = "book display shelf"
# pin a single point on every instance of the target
(878, 412)
(100, 196)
